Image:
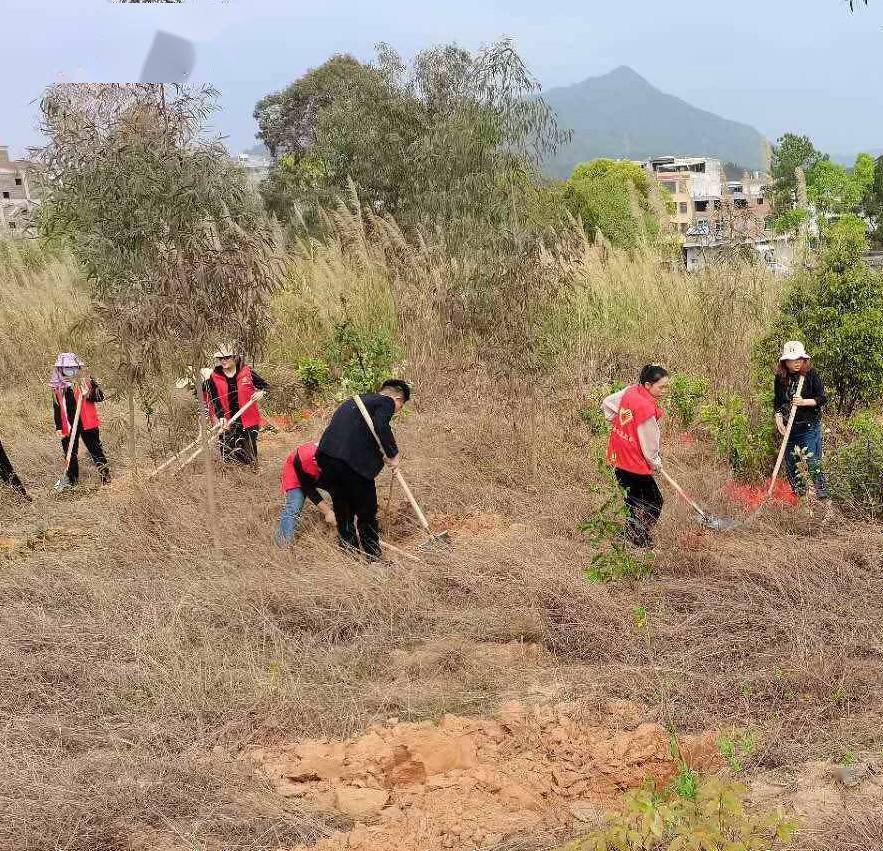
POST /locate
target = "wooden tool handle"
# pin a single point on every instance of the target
(73, 434)
(396, 472)
(694, 505)
(216, 427)
(784, 446)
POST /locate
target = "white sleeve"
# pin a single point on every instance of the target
(610, 405)
(650, 438)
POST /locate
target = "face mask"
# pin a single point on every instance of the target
(69, 371)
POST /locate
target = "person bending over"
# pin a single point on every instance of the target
(350, 461)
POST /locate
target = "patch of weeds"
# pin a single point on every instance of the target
(713, 819)
(686, 783)
(613, 559)
(849, 758)
(737, 747)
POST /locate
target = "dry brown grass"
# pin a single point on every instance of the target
(135, 659)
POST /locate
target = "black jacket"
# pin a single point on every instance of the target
(812, 389)
(347, 437)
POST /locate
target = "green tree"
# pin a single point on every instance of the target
(833, 190)
(454, 137)
(838, 310)
(872, 203)
(789, 153)
(615, 198)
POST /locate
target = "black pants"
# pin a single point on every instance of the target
(7, 474)
(93, 443)
(644, 502)
(239, 444)
(355, 505)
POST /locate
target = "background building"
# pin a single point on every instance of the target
(715, 215)
(17, 199)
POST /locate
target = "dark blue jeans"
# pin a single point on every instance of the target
(806, 442)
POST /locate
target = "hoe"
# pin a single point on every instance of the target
(432, 540)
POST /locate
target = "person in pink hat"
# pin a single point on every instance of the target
(70, 384)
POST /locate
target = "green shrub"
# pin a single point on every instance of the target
(686, 395)
(746, 447)
(314, 374)
(715, 819)
(837, 310)
(361, 359)
(613, 560)
(855, 469)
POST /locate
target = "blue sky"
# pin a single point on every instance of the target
(805, 65)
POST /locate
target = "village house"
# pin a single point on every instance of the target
(17, 197)
(715, 215)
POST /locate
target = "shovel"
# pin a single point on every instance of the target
(709, 521)
(432, 540)
(64, 483)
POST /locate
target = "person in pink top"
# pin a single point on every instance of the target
(633, 449)
(301, 478)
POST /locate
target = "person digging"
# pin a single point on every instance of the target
(797, 383)
(633, 450)
(350, 461)
(75, 396)
(230, 387)
(301, 480)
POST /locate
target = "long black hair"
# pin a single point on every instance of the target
(651, 373)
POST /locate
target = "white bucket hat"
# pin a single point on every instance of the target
(793, 350)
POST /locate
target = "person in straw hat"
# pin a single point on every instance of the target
(805, 440)
(229, 388)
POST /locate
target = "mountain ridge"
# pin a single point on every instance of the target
(620, 114)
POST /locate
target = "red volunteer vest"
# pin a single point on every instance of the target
(89, 418)
(245, 389)
(624, 449)
(306, 454)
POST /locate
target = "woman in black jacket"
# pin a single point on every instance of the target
(805, 440)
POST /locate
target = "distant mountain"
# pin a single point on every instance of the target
(621, 115)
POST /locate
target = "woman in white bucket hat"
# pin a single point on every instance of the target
(805, 440)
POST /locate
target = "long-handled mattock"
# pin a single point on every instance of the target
(431, 538)
(64, 482)
(212, 431)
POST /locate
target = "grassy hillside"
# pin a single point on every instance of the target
(158, 694)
